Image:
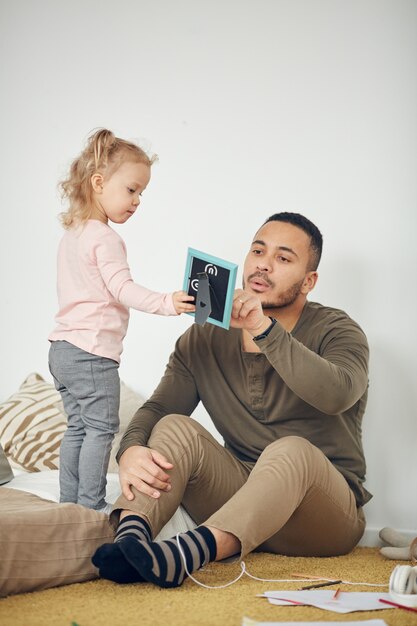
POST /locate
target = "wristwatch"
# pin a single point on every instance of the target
(267, 331)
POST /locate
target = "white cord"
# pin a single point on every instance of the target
(242, 565)
(265, 580)
(287, 580)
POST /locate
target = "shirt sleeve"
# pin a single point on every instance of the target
(110, 256)
(331, 380)
(176, 394)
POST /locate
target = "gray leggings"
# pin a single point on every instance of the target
(90, 389)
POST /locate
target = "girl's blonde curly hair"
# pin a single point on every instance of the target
(103, 153)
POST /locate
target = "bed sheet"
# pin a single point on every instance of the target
(45, 484)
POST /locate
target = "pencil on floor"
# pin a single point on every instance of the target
(398, 606)
(330, 582)
(336, 594)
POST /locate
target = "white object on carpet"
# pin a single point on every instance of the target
(45, 484)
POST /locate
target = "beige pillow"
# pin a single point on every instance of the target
(32, 425)
(130, 402)
(33, 422)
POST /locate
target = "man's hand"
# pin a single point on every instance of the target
(143, 468)
(247, 313)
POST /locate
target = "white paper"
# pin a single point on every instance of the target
(346, 601)
(369, 622)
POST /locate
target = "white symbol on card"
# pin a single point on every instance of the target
(194, 284)
(211, 269)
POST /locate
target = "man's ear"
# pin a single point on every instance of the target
(97, 182)
(309, 282)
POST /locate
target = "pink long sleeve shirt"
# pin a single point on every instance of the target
(95, 291)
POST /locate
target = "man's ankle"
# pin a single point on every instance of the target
(227, 543)
(125, 513)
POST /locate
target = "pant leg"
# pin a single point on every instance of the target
(204, 477)
(45, 544)
(101, 421)
(69, 451)
(70, 448)
(295, 502)
(92, 383)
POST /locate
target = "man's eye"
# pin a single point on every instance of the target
(255, 251)
(284, 259)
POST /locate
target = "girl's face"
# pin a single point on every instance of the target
(117, 197)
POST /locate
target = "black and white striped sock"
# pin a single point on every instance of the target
(161, 563)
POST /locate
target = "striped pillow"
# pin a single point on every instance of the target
(33, 422)
(32, 425)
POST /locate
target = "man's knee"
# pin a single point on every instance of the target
(175, 425)
(177, 428)
(172, 421)
(292, 447)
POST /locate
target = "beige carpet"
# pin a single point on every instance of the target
(101, 602)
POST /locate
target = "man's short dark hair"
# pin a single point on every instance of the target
(316, 238)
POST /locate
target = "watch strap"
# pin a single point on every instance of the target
(267, 330)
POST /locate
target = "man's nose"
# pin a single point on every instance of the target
(264, 264)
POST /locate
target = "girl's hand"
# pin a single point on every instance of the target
(181, 301)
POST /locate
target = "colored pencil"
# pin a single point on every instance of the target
(330, 582)
(398, 606)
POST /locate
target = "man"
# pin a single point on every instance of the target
(286, 387)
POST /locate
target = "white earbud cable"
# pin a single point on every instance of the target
(244, 571)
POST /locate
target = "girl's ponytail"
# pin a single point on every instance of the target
(103, 153)
(101, 145)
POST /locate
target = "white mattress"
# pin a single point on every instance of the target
(46, 485)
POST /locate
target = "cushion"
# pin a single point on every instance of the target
(130, 402)
(44, 544)
(32, 425)
(33, 422)
(6, 473)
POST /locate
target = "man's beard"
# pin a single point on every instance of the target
(284, 299)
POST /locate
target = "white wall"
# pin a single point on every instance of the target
(253, 107)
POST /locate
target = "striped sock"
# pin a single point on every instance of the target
(161, 562)
(135, 526)
(110, 560)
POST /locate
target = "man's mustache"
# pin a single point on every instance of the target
(263, 277)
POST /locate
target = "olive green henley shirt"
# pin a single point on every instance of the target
(311, 382)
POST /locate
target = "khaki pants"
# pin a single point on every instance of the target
(292, 501)
(45, 544)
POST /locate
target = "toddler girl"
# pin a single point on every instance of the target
(95, 291)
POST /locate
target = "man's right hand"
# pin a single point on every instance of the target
(144, 469)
